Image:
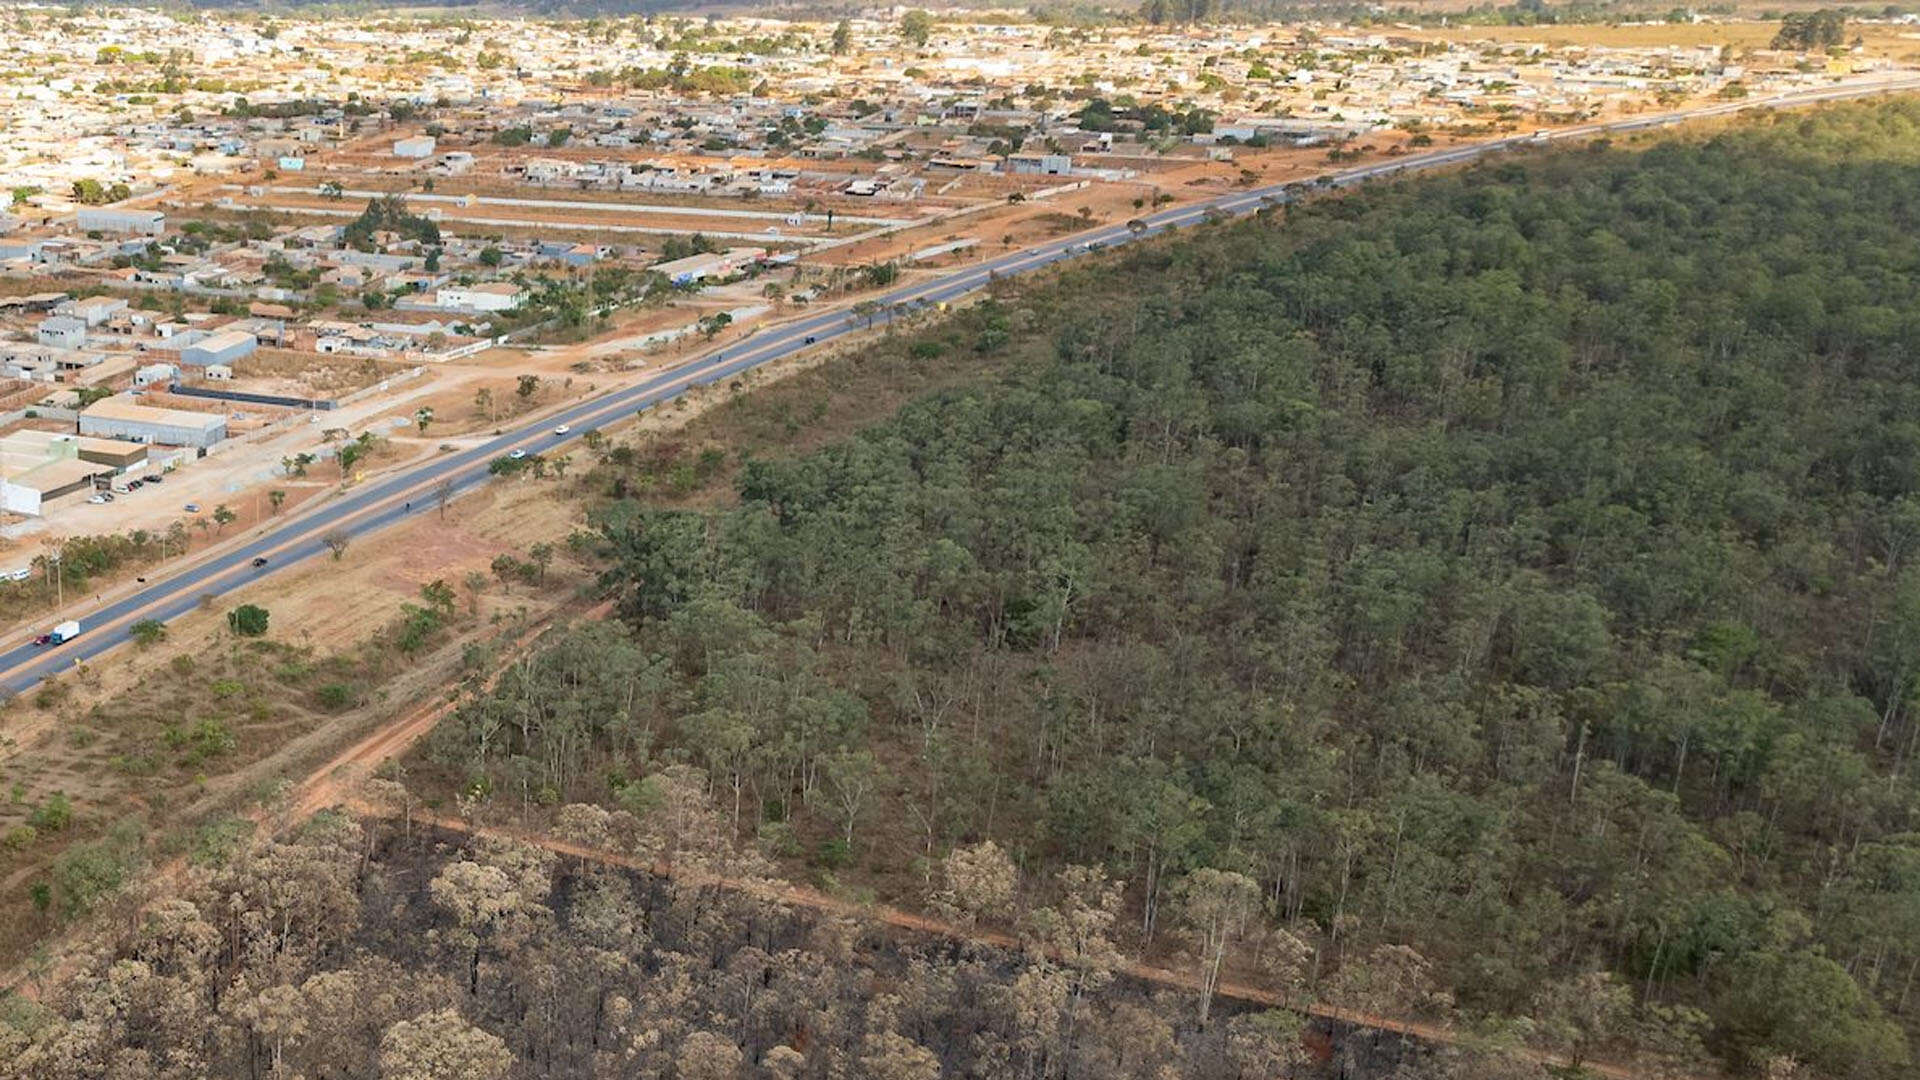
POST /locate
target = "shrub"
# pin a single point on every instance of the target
(334, 696)
(53, 815)
(248, 620)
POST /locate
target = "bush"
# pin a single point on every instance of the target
(334, 696)
(148, 632)
(53, 815)
(248, 620)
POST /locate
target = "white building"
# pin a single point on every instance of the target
(92, 310)
(417, 146)
(61, 332)
(108, 220)
(492, 296)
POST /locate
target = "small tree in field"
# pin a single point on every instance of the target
(248, 620)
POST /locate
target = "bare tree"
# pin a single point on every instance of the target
(1215, 906)
(980, 881)
(706, 1056)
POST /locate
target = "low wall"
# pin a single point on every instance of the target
(316, 404)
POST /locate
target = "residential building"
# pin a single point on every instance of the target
(61, 332)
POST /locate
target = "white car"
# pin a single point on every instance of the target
(562, 430)
(516, 454)
(97, 500)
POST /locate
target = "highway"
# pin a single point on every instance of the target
(389, 500)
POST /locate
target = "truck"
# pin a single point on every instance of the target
(65, 632)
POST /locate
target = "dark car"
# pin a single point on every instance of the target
(151, 478)
(43, 639)
(259, 561)
(809, 339)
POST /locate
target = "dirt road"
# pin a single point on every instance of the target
(801, 896)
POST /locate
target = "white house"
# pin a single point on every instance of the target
(491, 296)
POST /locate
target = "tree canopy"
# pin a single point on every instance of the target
(1509, 567)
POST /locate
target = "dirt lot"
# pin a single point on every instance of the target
(303, 374)
(183, 733)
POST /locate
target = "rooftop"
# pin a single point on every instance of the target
(120, 408)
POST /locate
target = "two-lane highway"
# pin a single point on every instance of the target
(414, 491)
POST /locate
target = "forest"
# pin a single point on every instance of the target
(1480, 598)
(1510, 565)
(398, 950)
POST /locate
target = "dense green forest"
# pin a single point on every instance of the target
(1513, 565)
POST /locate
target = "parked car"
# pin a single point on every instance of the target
(152, 478)
(97, 499)
(193, 508)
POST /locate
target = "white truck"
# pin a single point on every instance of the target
(65, 632)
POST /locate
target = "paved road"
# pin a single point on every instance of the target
(380, 504)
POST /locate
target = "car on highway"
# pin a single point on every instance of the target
(810, 339)
(193, 508)
(259, 561)
(516, 455)
(562, 430)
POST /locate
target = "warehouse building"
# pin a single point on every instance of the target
(718, 264)
(417, 146)
(223, 347)
(37, 467)
(108, 220)
(122, 418)
(488, 296)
